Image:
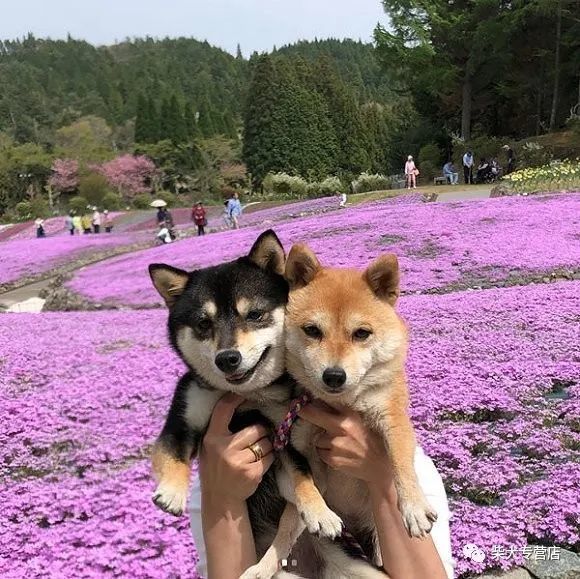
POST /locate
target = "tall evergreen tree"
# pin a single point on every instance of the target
(353, 143)
(142, 121)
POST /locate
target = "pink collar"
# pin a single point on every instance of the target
(282, 432)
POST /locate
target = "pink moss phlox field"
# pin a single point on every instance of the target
(21, 257)
(439, 245)
(495, 388)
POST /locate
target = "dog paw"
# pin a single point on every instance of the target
(258, 572)
(170, 499)
(418, 517)
(324, 524)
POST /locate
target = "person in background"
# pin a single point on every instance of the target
(69, 223)
(78, 223)
(468, 167)
(86, 223)
(226, 214)
(96, 220)
(411, 173)
(235, 210)
(198, 215)
(342, 197)
(511, 159)
(161, 214)
(107, 221)
(40, 227)
(450, 173)
(164, 234)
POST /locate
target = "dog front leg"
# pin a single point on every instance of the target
(173, 451)
(399, 435)
(297, 486)
(290, 528)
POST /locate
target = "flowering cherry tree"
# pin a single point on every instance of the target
(65, 175)
(129, 174)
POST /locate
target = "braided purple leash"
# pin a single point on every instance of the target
(282, 432)
(281, 440)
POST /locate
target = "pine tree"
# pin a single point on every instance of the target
(190, 123)
(264, 143)
(153, 133)
(206, 119)
(346, 119)
(142, 121)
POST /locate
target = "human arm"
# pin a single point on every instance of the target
(228, 475)
(350, 446)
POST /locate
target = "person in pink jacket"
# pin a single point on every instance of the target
(411, 173)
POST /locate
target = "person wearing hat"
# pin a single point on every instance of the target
(69, 222)
(199, 217)
(40, 227)
(511, 159)
(78, 223)
(411, 173)
(107, 221)
(86, 223)
(96, 220)
(468, 163)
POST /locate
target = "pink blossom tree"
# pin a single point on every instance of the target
(129, 174)
(65, 175)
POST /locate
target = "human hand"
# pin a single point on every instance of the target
(349, 445)
(228, 470)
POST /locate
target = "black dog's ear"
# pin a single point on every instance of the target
(301, 266)
(168, 281)
(268, 253)
(382, 275)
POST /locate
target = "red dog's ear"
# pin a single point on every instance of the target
(382, 275)
(301, 266)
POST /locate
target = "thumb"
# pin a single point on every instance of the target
(222, 413)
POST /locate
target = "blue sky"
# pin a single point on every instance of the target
(255, 24)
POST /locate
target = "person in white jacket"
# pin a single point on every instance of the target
(411, 173)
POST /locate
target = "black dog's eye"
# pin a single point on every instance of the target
(254, 315)
(204, 325)
(312, 331)
(361, 334)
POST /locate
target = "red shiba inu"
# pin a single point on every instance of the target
(346, 344)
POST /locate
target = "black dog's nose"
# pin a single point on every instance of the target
(228, 360)
(334, 377)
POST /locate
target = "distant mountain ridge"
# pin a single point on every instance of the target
(46, 84)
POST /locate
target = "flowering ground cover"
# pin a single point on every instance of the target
(495, 381)
(28, 257)
(441, 247)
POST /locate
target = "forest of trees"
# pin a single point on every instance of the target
(442, 73)
(486, 67)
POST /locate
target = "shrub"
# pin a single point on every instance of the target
(555, 176)
(167, 196)
(78, 204)
(533, 154)
(331, 186)
(39, 207)
(112, 201)
(314, 190)
(367, 182)
(285, 186)
(430, 160)
(142, 201)
(23, 210)
(93, 187)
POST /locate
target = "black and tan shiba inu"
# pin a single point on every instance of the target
(227, 324)
(347, 345)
